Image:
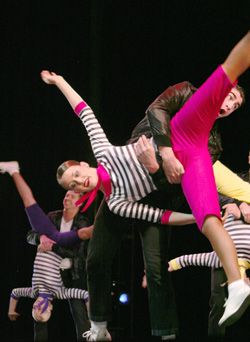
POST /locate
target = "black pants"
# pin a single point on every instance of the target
(108, 233)
(216, 302)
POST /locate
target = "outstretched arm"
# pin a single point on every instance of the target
(148, 213)
(38, 219)
(68, 293)
(98, 139)
(230, 184)
(199, 259)
(204, 259)
(71, 95)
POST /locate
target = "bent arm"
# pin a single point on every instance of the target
(12, 313)
(22, 292)
(159, 115)
(229, 184)
(40, 222)
(164, 107)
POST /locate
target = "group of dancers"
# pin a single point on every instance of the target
(180, 140)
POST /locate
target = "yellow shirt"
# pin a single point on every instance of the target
(229, 184)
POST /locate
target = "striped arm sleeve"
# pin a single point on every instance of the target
(199, 259)
(98, 138)
(136, 210)
(68, 293)
(22, 292)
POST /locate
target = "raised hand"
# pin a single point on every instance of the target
(49, 77)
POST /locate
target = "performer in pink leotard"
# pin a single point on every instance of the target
(190, 129)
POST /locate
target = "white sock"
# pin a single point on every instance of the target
(235, 284)
(98, 325)
(14, 171)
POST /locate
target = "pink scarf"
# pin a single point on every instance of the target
(89, 197)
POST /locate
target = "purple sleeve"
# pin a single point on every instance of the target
(40, 222)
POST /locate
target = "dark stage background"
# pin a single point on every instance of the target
(119, 55)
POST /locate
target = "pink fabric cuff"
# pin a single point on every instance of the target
(165, 217)
(80, 107)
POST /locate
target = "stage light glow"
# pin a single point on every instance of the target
(124, 298)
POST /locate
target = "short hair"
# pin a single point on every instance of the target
(41, 317)
(63, 167)
(242, 93)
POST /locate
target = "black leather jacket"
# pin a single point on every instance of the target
(77, 253)
(160, 112)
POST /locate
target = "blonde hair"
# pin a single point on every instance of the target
(41, 317)
(37, 313)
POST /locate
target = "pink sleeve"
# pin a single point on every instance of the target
(165, 217)
(80, 107)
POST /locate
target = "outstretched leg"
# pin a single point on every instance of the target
(39, 221)
(190, 130)
(22, 187)
(192, 124)
(238, 61)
